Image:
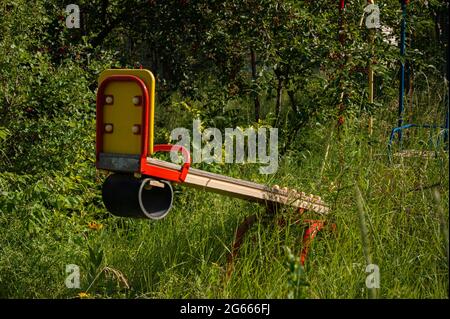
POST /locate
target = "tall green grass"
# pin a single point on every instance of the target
(184, 255)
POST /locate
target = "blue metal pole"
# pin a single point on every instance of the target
(402, 70)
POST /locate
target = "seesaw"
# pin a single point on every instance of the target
(140, 185)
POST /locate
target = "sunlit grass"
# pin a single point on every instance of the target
(184, 255)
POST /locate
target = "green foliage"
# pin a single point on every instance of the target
(303, 77)
(296, 275)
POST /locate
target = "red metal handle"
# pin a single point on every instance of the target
(170, 147)
(178, 148)
(166, 173)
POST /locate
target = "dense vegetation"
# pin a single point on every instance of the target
(300, 66)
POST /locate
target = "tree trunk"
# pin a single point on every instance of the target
(279, 94)
(291, 95)
(255, 94)
(104, 7)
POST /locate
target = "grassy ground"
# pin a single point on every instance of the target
(44, 226)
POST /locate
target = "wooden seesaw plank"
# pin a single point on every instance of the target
(246, 190)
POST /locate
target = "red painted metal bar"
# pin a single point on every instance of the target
(165, 173)
(314, 226)
(238, 240)
(308, 237)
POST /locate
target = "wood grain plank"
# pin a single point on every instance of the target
(245, 189)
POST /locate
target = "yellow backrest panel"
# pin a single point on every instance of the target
(123, 114)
